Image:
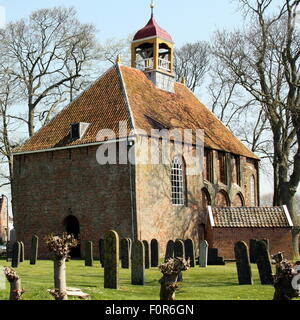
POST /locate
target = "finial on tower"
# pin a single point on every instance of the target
(152, 7)
(118, 60)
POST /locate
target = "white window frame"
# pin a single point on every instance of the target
(178, 182)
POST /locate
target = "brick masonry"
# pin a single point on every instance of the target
(280, 239)
(133, 200)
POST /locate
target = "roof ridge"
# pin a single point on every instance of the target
(124, 92)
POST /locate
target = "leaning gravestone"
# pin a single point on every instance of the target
(203, 254)
(22, 253)
(125, 253)
(243, 263)
(252, 250)
(34, 249)
(179, 253)
(154, 253)
(147, 254)
(88, 253)
(101, 252)
(16, 252)
(138, 263)
(169, 250)
(189, 249)
(111, 260)
(264, 263)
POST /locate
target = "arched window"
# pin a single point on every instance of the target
(252, 191)
(178, 182)
(206, 199)
(238, 200)
(222, 199)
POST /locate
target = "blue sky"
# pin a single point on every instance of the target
(188, 20)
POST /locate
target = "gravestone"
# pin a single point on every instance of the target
(130, 246)
(111, 260)
(264, 263)
(88, 253)
(22, 253)
(147, 254)
(179, 253)
(169, 250)
(267, 242)
(189, 249)
(101, 252)
(252, 250)
(34, 249)
(203, 254)
(213, 258)
(16, 252)
(138, 263)
(243, 263)
(125, 253)
(154, 253)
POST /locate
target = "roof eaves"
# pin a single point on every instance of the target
(211, 217)
(288, 216)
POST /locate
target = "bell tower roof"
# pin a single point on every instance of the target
(152, 29)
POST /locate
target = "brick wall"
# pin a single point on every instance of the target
(50, 186)
(225, 238)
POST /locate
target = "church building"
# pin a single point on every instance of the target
(60, 185)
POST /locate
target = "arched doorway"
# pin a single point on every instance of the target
(72, 227)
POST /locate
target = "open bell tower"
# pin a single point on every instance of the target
(152, 51)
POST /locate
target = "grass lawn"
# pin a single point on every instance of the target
(212, 283)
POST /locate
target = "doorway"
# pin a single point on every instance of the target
(72, 227)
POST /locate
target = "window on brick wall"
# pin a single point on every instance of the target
(252, 191)
(236, 169)
(222, 167)
(207, 170)
(178, 182)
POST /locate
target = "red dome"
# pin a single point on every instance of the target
(152, 29)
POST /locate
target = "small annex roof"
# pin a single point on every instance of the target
(126, 94)
(152, 29)
(255, 217)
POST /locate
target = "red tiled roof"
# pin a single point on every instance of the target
(259, 217)
(105, 103)
(152, 29)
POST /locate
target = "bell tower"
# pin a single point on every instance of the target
(152, 51)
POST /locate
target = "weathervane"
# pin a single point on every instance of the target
(152, 7)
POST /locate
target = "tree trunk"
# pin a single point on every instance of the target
(14, 280)
(15, 289)
(31, 121)
(168, 286)
(60, 279)
(288, 198)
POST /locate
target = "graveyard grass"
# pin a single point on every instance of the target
(212, 283)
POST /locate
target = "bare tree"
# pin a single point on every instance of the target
(192, 63)
(45, 53)
(264, 59)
